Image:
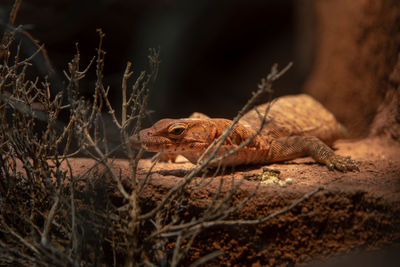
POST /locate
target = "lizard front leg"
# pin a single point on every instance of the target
(297, 146)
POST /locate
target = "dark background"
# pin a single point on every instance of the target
(213, 53)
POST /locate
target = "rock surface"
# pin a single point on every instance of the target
(356, 211)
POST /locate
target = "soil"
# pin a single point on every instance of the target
(355, 211)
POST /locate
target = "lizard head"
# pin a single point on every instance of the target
(179, 135)
(190, 137)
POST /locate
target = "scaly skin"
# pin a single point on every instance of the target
(296, 126)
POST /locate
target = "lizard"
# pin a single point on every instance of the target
(296, 126)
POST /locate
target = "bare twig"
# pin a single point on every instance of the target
(207, 258)
(264, 87)
(216, 144)
(20, 238)
(49, 220)
(58, 213)
(261, 220)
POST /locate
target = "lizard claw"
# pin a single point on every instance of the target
(341, 163)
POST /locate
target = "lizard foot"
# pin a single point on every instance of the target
(341, 163)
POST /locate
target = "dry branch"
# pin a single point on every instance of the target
(47, 219)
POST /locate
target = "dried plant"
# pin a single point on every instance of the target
(52, 215)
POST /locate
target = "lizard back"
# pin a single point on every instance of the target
(292, 115)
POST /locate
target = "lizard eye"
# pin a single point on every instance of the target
(176, 129)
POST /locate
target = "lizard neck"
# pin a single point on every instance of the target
(256, 152)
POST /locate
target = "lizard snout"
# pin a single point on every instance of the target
(148, 140)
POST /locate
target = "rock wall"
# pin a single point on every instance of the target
(356, 49)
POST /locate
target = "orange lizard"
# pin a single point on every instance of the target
(295, 126)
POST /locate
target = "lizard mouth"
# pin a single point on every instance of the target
(148, 145)
(167, 146)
